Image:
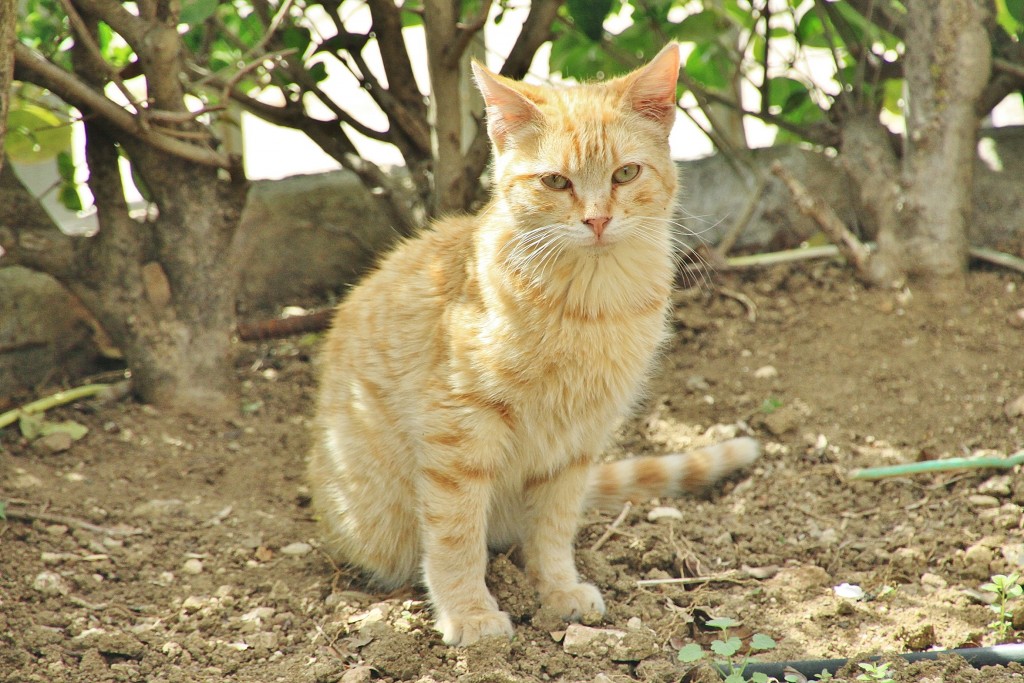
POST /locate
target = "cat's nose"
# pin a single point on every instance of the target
(597, 225)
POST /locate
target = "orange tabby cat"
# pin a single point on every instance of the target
(471, 381)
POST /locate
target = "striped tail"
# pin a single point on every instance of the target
(637, 479)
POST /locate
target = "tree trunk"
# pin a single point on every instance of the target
(163, 286)
(7, 38)
(948, 60)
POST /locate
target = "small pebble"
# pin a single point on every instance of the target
(51, 583)
(766, 372)
(192, 566)
(296, 549)
(980, 500)
(664, 513)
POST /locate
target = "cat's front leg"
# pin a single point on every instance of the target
(554, 503)
(454, 495)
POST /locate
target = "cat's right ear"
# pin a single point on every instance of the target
(509, 112)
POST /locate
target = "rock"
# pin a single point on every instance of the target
(766, 372)
(193, 603)
(51, 583)
(297, 549)
(979, 500)
(109, 642)
(589, 641)
(782, 420)
(933, 581)
(1015, 408)
(664, 513)
(977, 561)
(192, 565)
(57, 442)
(910, 560)
(635, 646)
(696, 384)
(358, 674)
(48, 331)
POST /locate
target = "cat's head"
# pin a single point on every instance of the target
(588, 163)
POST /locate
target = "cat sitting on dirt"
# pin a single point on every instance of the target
(470, 383)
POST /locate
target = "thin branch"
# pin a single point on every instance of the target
(464, 35)
(825, 217)
(83, 34)
(73, 522)
(36, 69)
(130, 27)
(612, 527)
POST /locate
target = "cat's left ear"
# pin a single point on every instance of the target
(509, 110)
(651, 90)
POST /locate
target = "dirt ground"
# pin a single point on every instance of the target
(166, 549)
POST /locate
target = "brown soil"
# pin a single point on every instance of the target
(160, 548)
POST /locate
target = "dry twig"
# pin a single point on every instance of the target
(612, 527)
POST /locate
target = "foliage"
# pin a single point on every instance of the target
(758, 57)
(727, 648)
(1006, 589)
(878, 673)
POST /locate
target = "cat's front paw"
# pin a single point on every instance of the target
(573, 602)
(466, 629)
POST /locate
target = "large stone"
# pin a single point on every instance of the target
(45, 334)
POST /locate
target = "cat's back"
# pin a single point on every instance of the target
(401, 300)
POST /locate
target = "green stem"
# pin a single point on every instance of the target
(43, 404)
(938, 466)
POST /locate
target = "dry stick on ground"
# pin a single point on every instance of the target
(73, 522)
(821, 213)
(728, 240)
(612, 527)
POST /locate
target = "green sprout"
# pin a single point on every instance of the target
(1005, 588)
(877, 673)
(727, 648)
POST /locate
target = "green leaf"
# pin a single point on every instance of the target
(760, 677)
(710, 65)
(726, 648)
(589, 16)
(810, 32)
(73, 429)
(69, 197)
(30, 426)
(35, 134)
(3, 509)
(197, 11)
(1010, 15)
(760, 641)
(699, 27)
(734, 677)
(691, 652)
(722, 623)
(318, 71)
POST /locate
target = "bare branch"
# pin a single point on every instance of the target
(387, 25)
(83, 34)
(129, 26)
(535, 32)
(36, 69)
(826, 219)
(464, 34)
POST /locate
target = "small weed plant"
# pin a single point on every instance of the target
(1006, 589)
(876, 673)
(726, 648)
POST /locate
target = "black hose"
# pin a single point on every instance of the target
(975, 656)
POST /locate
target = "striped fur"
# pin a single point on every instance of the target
(470, 382)
(636, 479)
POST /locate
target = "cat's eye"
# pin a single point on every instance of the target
(626, 173)
(555, 181)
